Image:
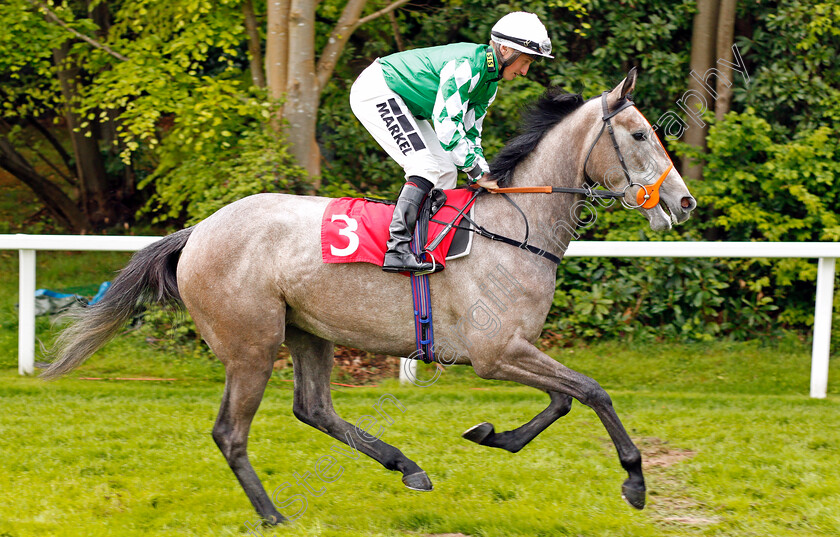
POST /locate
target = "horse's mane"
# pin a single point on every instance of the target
(547, 112)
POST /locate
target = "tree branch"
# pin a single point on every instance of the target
(56, 201)
(254, 52)
(339, 36)
(344, 28)
(65, 157)
(54, 18)
(396, 28)
(383, 11)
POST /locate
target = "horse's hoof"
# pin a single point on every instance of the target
(479, 432)
(274, 520)
(633, 494)
(419, 481)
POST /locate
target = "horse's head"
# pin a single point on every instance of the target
(625, 154)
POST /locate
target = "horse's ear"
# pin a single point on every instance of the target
(625, 87)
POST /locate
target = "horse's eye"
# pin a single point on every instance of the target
(639, 136)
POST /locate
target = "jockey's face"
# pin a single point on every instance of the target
(520, 65)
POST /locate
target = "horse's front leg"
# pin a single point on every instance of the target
(486, 435)
(522, 362)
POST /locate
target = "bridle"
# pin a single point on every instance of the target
(648, 195)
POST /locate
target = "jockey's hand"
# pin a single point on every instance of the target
(487, 181)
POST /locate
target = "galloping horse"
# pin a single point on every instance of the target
(252, 278)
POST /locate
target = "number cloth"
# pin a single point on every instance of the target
(356, 230)
(426, 108)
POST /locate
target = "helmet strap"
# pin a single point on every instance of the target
(505, 62)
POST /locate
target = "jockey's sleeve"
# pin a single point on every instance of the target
(457, 120)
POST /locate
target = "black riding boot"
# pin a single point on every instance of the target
(399, 257)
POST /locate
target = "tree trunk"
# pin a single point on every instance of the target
(725, 40)
(697, 99)
(291, 69)
(90, 169)
(101, 16)
(54, 199)
(277, 51)
(254, 51)
(302, 91)
(106, 129)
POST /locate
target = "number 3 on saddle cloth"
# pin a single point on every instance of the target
(356, 230)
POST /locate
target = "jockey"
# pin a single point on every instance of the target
(426, 107)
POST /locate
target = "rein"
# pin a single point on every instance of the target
(478, 229)
(587, 191)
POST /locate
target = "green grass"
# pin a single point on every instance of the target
(734, 445)
(120, 458)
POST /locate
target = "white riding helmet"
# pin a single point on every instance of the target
(524, 32)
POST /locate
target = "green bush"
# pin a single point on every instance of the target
(687, 299)
(173, 331)
(761, 185)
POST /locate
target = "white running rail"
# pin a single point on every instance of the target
(826, 252)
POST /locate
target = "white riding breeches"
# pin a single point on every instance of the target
(410, 141)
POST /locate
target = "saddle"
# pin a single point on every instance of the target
(356, 229)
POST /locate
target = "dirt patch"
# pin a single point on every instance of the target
(657, 453)
(670, 504)
(366, 367)
(690, 520)
(355, 366)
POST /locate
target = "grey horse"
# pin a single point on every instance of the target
(252, 278)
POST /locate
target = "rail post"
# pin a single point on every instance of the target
(822, 327)
(408, 370)
(26, 313)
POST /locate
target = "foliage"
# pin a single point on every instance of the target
(694, 299)
(173, 332)
(184, 94)
(68, 161)
(197, 130)
(761, 185)
(184, 58)
(29, 85)
(771, 174)
(795, 80)
(201, 173)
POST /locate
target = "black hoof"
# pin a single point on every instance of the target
(274, 520)
(633, 494)
(479, 433)
(419, 481)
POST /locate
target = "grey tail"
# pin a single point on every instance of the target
(148, 278)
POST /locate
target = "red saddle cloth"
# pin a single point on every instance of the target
(356, 230)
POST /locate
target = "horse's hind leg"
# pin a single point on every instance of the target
(313, 360)
(246, 378)
(513, 441)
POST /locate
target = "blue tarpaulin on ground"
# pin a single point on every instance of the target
(48, 302)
